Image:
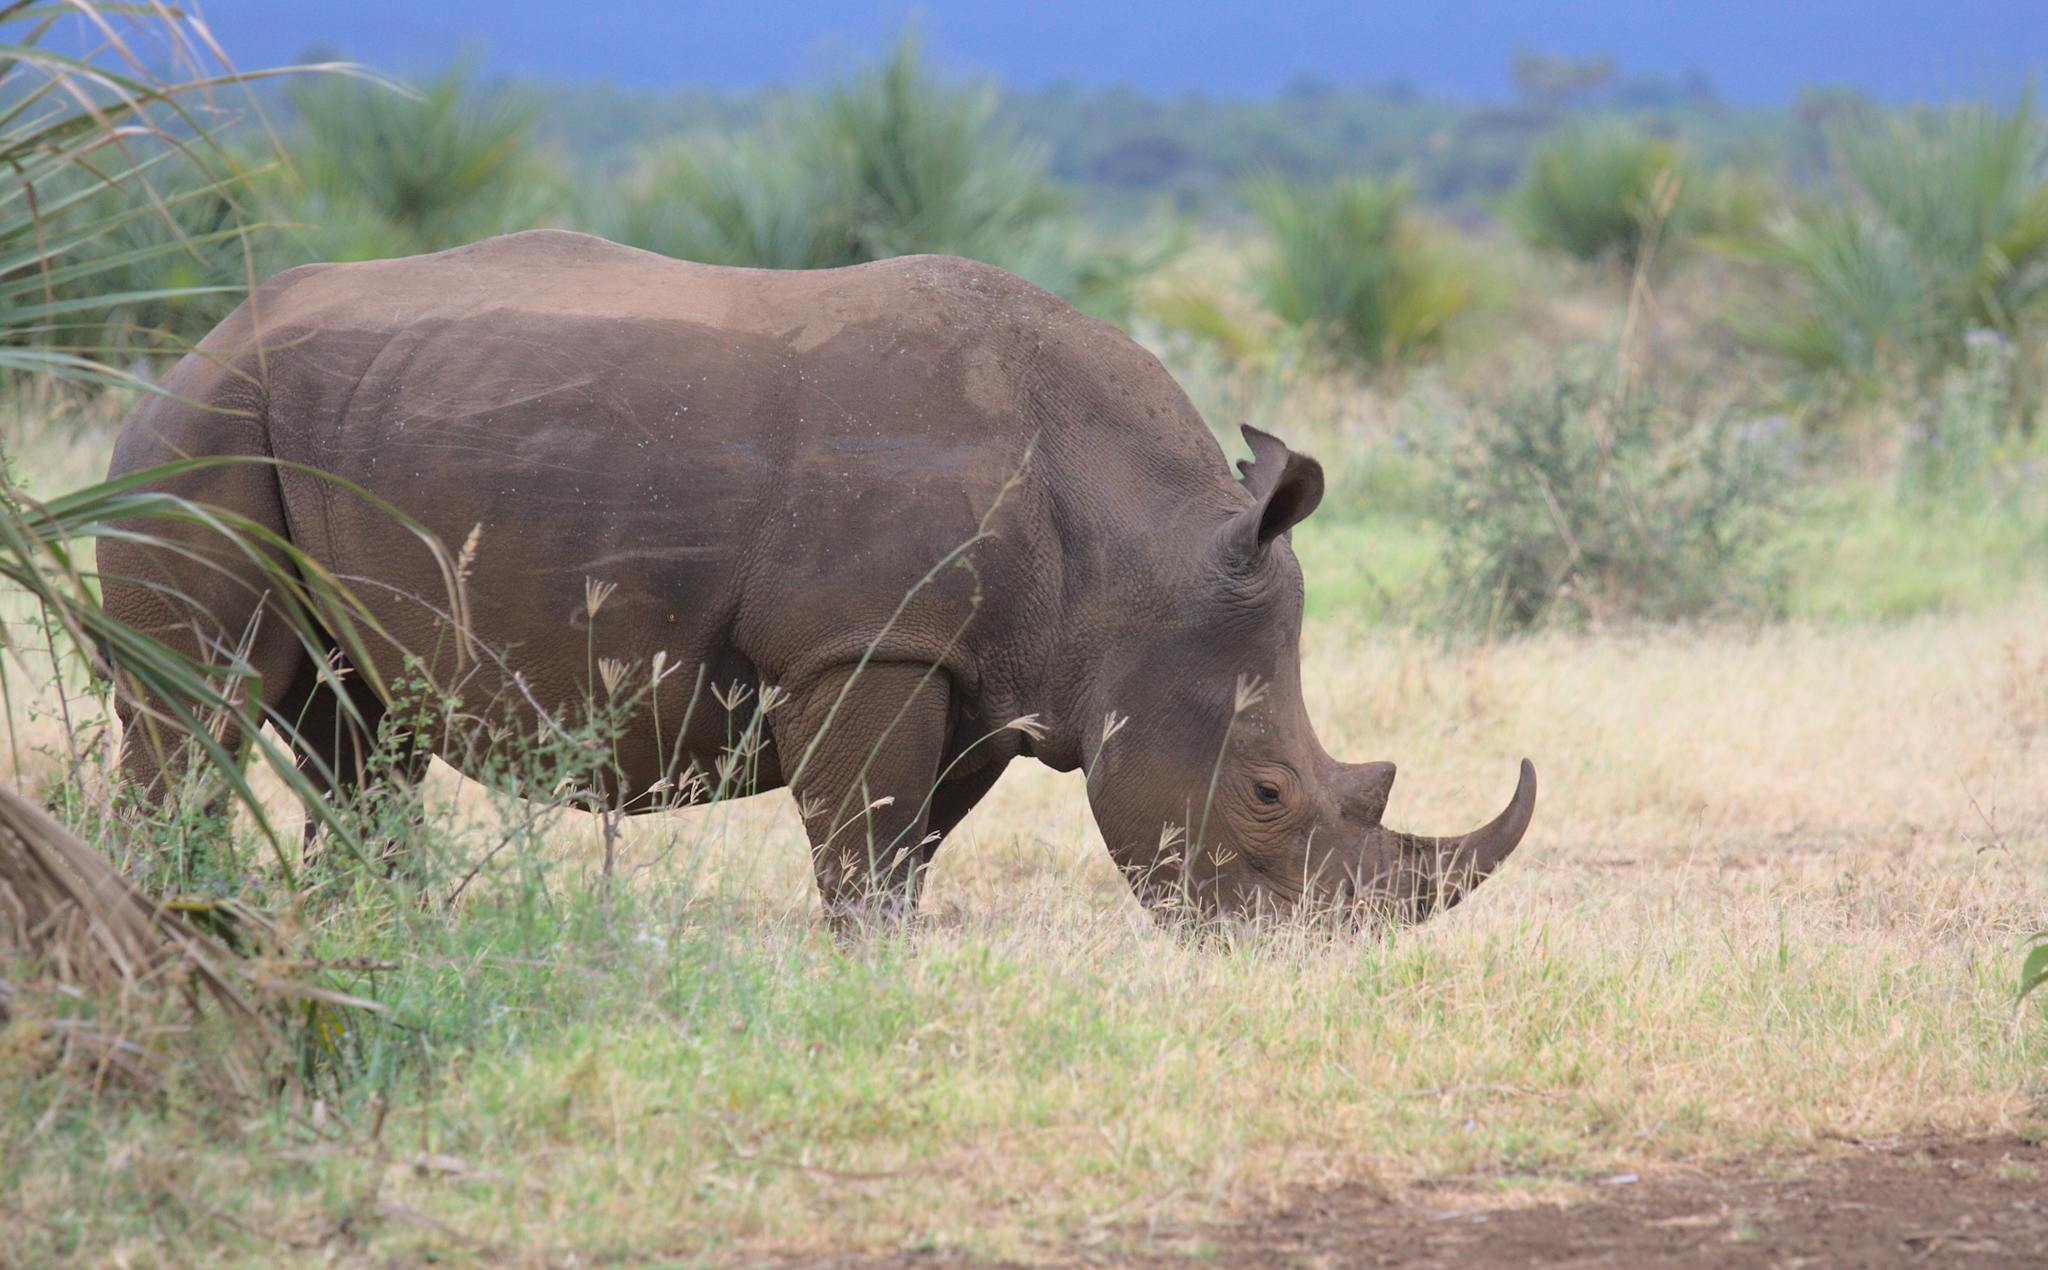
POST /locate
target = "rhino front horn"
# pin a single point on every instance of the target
(1430, 873)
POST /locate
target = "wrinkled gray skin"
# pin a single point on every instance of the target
(765, 465)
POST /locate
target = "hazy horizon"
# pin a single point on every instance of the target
(1752, 52)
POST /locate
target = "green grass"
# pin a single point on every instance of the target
(1367, 566)
(1856, 553)
(661, 1075)
(1848, 550)
(1755, 913)
(1862, 552)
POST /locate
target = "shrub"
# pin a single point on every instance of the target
(1956, 449)
(753, 200)
(1578, 502)
(892, 163)
(920, 167)
(1602, 193)
(388, 173)
(1934, 227)
(1352, 263)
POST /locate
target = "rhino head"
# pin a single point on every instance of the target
(1207, 779)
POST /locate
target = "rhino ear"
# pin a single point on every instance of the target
(1285, 487)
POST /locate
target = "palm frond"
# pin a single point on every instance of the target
(1935, 225)
(106, 176)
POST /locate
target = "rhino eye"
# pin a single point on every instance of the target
(1267, 793)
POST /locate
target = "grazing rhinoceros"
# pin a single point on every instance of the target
(922, 499)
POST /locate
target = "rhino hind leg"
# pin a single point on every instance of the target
(337, 742)
(863, 749)
(198, 595)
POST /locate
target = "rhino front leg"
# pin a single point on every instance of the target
(863, 749)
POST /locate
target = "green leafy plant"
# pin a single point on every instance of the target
(179, 249)
(751, 200)
(1934, 227)
(84, 142)
(2034, 970)
(1603, 193)
(384, 172)
(923, 168)
(892, 163)
(1578, 502)
(116, 206)
(1353, 264)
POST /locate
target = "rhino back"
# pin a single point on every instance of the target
(764, 464)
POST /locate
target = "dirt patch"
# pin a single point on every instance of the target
(1900, 1205)
(1935, 1203)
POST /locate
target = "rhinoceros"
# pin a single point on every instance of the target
(928, 516)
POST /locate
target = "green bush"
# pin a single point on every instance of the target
(1352, 263)
(892, 163)
(1933, 227)
(751, 200)
(382, 173)
(1580, 503)
(1957, 449)
(1604, 193)
(920, 167)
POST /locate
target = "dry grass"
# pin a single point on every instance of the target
(1773, 897)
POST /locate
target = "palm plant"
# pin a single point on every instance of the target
(387, 173)
(85, 210)
(892, 163)
(1859, 300)
(1934, 227)
(84, 138)
(1351, 263)
(1599, 193)
(165, 277)
(755, 200)
(922, 168)
(1968, 191)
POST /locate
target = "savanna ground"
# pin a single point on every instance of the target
(1771, 908)
(1750, 561)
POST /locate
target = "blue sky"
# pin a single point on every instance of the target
(1754, 51)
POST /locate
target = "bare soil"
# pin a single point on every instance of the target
(1938, 1203)
(1900, 1204)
